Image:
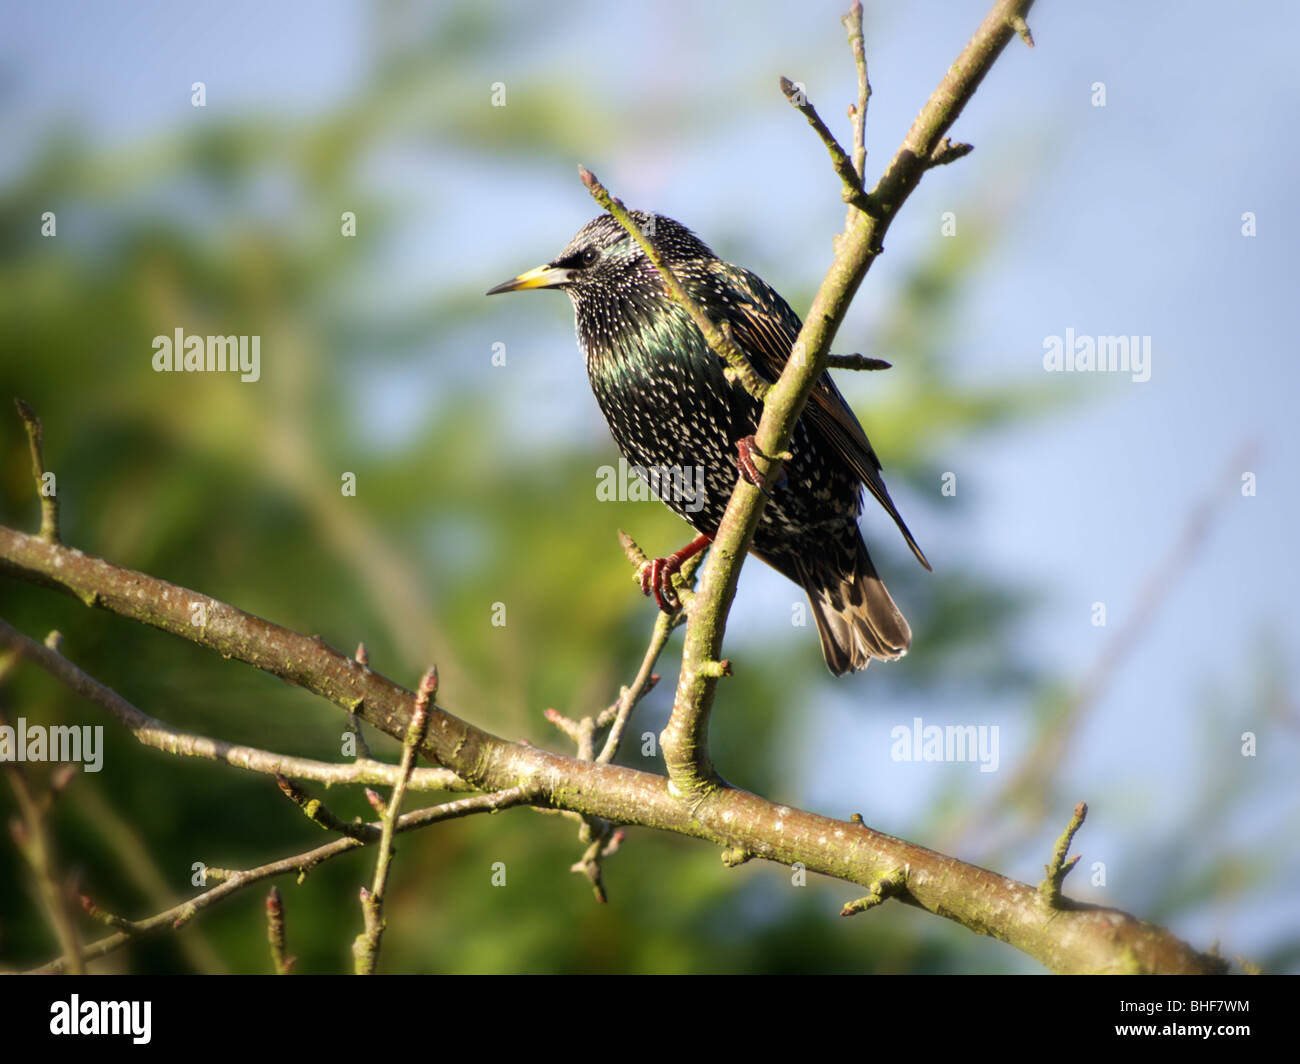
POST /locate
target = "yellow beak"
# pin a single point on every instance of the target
(538, 277)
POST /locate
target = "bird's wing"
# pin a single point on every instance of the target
(765, 328)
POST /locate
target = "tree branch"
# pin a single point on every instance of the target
(155, 733)
(718, 337)
(45, 488)
(685, 740)
(366, 947)
(231, 882)
(858, 111)
(849, 174)
(1076, 938)
(857, 362)
(1058, 868)
(31, 833)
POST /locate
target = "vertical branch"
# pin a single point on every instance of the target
(1058, 868)
(45, 484)
(858, 111)
(366, 947)
(275, 934)
(31, 834)
(685, 740)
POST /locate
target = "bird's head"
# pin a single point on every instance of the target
(603, 257)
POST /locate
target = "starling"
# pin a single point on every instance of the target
(680, 423)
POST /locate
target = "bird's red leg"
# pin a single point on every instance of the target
(746, 448)
(657, 575)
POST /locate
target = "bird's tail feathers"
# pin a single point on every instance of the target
(856, 617)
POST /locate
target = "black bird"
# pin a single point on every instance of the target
(672, 412)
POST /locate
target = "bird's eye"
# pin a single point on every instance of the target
(590, 256)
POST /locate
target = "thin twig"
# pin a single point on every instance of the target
(31, 834)
(884, 888)
(858, 362)
(600, 836)
(1058, 868)
(162, 736)
(322, 816)
(231, 882)
(275, 933)
(139, 870)
(718, 336)
(620, 712)
(946, 151)
(46, 488)
(858, 112)
(852, 191)
(366, 947)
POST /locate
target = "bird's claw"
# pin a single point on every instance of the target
(657, 580)
(746, 448)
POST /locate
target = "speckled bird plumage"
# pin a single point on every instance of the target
(669, 405)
